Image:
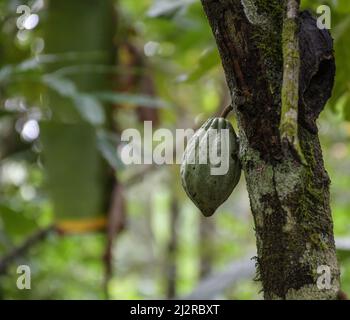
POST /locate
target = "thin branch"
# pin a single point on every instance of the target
(24, 247)
(172, 248)
(216, 284)
(237, 270)
(226, 111)
(115, 224)
(206, 248)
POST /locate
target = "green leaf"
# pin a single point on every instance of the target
(343, 105)
(5, 73)
(208, 60)
(135, 99)
(62, 86)
(167, 8)
(15, 222)
(90, 108)
(107, 144)
(341, 31)
(44, 59)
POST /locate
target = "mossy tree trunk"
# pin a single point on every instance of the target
(289, 196)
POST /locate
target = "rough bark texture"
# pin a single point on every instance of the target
(289, 200)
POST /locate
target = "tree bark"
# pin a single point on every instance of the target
(289, 198)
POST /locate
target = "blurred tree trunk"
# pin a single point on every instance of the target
(206, 246)
(172, 248)
(289, 199)
(81, 32)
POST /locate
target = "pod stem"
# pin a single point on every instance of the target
(226, 111)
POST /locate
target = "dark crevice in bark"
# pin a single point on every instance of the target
(317, 70)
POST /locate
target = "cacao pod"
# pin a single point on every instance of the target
(209, 183)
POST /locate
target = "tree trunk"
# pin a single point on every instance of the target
(289, 198)
(206, 250)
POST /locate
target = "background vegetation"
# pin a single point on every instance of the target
(80, 73)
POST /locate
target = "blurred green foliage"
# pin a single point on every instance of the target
(69, 87)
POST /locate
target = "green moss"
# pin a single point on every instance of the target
(290, 89)
(252, 14)
(273, 8)
(268, 40)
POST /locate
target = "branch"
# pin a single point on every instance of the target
(115, 224)
(24, 247)
(215, 284)
(226, 111)
(42, 234)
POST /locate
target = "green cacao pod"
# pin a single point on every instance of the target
(207, 181)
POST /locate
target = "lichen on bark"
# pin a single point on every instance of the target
(289, 200)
